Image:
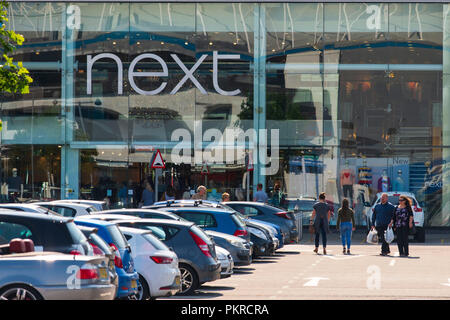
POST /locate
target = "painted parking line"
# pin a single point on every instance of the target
(392, 263)
(314, 281)
(446, 284)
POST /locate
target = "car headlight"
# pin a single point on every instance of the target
(257, 233)
(239, 244)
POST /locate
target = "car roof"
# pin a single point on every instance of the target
(96, 222)
(198, 209)
(160, 221)
(394, 193)
(134, 230)
(106, 217)
(246, 202)
(18, 205)
(118, 211)
(33, 215)
(81, 201)
(69, 204)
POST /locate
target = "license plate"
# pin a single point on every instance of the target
(103, 273)
(177, 281)
(134, 284)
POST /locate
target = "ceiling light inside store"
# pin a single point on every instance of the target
(210, 43)
(37, 52)
(138, 43)
(114, 43)
(162, 42)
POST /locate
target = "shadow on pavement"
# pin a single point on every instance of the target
(283, 253)
(216, 288)
(199, 294)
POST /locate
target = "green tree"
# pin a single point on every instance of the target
(13, 77)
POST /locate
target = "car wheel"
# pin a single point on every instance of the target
(19, 292)
(143, 289)
(189, 279)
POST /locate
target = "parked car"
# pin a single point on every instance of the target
(303, 206)
(53, 276)
(265, 212)
(195, 250)
(417, 210)
(261, 239)
(214, 219)
(143, 213)
(27, 207)
(226, 262)
(123, 260)
(68, 209)
(101, 248)
(240, 249)
(273, 229)
(97, 204)
(155, 263)
(48, 232)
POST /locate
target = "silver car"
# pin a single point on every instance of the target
(54, 276)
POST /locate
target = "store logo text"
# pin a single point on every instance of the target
(189, 73)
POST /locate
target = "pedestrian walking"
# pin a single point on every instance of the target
(346, 224)
(402, 222)
(320, 218)
(383, 214)
(260, 195)
(148, 195)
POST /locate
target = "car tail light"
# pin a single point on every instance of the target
(97, 250)
(240, 233)
(161, 260)
(88, 273)
(201, 244)
(418, 209)
(75, 252)
(282, 214)
(117, 259)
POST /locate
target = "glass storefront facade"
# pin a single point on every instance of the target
(347, 98)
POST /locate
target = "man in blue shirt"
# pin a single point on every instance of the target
(381, 220)
(260, 195)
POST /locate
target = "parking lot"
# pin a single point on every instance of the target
(296, 272)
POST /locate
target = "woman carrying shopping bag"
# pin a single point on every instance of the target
(403, 221)
(346, 224)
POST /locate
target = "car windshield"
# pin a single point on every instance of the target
(155, 242)
(117, 237)
(301, 205)
(394, 200)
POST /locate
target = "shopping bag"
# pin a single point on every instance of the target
(372, 237)
(389, 235)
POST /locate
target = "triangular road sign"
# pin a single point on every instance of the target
(205, 169)
(158, 162)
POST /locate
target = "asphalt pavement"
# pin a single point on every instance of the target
(295, 272)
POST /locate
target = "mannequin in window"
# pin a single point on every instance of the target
(14, 182)
(384, 183)
(347, 180)
(399, 183)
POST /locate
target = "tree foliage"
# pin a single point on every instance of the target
(13, 77)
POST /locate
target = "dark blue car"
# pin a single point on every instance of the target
(128, 277)
(214, 219)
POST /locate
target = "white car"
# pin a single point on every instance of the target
(419, 216)
(26, 207)
(226, 262)
(68, 209)
(155, 263)
(98, 205)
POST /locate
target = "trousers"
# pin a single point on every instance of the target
(384, 245)
(402, 240)
(321, 230)
(346, 234)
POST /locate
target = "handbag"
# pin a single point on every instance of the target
(389, 235)
(372, 237)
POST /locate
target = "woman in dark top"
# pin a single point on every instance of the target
(402, 222)
(346, 223)
(320, 217)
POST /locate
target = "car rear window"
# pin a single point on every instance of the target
(301, 205)
(76, 234)
(155, 242)
(237, 220)
(99, 242)
(204, 220)
(201, 234)
(117, 237)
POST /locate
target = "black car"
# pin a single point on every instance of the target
(48, 232)
(261, 239)
(144, 213)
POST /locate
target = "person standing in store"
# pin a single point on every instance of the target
(201, 193)
(278, 196)
(346, 224)
(402, 222)
(260, 195)
(320, 218)
(148, 195)
(382, 219)
(225, 197)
